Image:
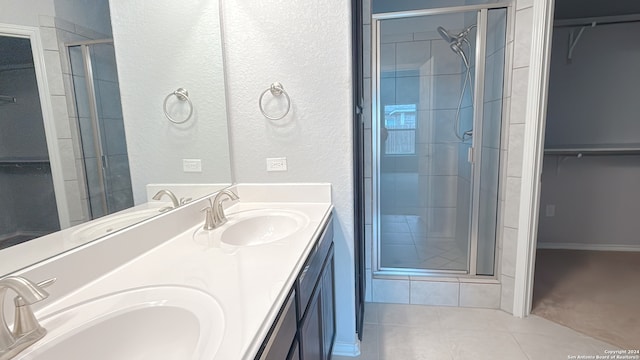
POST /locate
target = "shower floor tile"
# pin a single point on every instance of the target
(404, 245)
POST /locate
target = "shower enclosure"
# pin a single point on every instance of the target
(437, 117)
(101, 126)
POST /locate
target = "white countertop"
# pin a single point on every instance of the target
(250, 283)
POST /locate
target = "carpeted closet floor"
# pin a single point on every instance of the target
(594, 292)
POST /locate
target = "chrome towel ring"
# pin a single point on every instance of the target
(182, 95)
(276, 89)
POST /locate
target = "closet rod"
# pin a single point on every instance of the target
(598, 20)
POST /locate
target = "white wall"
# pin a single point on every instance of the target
(24, 12)
(305, 46)
(592, 100)
(161, 46)
(596, 202)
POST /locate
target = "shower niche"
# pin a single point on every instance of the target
(437, 97)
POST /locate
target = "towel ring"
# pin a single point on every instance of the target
(276, 89)
(182, 95)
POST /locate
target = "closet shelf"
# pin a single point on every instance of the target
(23, 161)
(593, 149)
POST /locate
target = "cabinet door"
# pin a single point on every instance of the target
(295, 352)
(311, 344)
(279, 343)
(328, 307)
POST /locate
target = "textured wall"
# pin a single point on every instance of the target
(161, 46)
(305, 46)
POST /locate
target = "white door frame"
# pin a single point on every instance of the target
(33, 34)
(535, 118)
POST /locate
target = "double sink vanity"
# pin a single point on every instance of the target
(215, 278)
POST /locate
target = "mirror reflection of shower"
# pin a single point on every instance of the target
(455, 43)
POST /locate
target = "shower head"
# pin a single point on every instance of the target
(455, 46)
(446, 36)
(451, 39)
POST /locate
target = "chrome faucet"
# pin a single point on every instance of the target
(26, 329)
(218, 212)
(171, 195)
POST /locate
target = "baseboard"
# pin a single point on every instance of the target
(346, 349)
(593, 247)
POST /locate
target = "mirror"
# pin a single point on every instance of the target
(160, 46)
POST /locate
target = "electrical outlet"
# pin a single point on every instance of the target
(550, 211)
(192, 165)
(277, 164)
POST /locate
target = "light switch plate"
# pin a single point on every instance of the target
(277, 164)
(192, 165)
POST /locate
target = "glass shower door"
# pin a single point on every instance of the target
(436, 177)
(101, 127)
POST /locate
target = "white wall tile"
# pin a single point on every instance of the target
(49, 38)
(108, 94)
(441, 192)
(61, 116)
(390, 291)
(412, 56)
(506, 299)
(480, 295)
(509, 248)
(512, 203)
(519, 84)
(368, 291)
(435, 293)
(444, 159)
(446, 91)
(394, 38)
(516, 146)
(46, 21)
(408, 90)
(443, 60)
(65, 150)
(522, 4)
(522, 50)
(74, 200)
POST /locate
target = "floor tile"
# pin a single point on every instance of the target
(416, 332)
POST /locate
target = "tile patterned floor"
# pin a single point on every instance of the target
(416, 332)
(405, 244)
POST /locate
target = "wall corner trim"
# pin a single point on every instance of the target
(532, 155)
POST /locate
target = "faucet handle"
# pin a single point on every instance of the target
(185, 200)
(25, 321)
(19, 300)
(208, 218)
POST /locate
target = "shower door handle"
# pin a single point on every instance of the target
(470, 155)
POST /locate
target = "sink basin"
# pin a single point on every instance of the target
(258, 227)
(164, 322)
(102, 227)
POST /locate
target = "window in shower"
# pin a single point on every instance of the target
(438, 102)
(400, 124)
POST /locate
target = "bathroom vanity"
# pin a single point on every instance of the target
(305, 327)
(260, 286)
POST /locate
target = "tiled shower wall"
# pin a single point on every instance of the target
(111, 127)
(429, 189)
(453, 291)
(55, 32)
